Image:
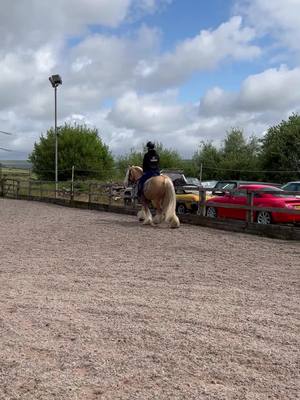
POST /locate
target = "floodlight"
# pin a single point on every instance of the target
(55, 80)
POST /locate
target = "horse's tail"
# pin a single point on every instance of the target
(169, 204)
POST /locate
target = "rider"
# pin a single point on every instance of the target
(150, 166)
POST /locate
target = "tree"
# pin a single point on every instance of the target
(233, 160)
(280, 150)
(239, 156)
(209, 156)
(77, 145)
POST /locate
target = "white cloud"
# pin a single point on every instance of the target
(36, 21)
(270, 91)
(158, 117)
(203, 52)
(155, 113)
(278, 18)
(129, 72)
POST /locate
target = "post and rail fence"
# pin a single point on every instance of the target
(110, 197)
(112, 194)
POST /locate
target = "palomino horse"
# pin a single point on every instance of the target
(158, 190)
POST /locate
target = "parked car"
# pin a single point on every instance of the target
(186, 200)
(178, 178)
(224, 185)
(261, 199)
(193, 181)
(291, 186)
(209, 184)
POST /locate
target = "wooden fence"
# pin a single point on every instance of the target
(109, 197)
(91, 192)
(112, 194)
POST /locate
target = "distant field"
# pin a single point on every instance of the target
(23, 164)
(15, 173)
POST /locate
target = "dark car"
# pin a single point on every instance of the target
(292, 186)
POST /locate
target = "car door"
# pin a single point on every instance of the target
(238, 198)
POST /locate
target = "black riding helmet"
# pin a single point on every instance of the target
(150, 145)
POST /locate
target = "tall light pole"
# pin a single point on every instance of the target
(55, 82)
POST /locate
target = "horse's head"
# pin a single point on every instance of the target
(132, 175)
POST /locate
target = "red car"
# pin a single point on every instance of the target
(239, 197)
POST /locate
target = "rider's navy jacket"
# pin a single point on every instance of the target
(151, 161)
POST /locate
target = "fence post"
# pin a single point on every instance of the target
(29, 187)
(250, 202)
(72, 184)
(2, 187)
(202, 201)
(90, 193)
(18, 189)
(110, 195)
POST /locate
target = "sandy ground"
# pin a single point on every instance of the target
(95, 306)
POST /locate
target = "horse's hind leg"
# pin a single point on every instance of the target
(158, 215)
(158, 218)
(148, 216)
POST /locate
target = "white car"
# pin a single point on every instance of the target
(292, 187)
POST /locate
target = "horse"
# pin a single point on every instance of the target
(159, 190)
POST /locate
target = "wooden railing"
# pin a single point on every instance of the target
(112, 194)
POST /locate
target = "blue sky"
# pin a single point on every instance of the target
(174, 71)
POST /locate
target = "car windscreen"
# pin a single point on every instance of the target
(208, 184)
(291, 187)
(225, 185)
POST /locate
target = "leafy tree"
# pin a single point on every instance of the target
(133, 158)
(169, 159)
(231, 160)
(281, 150)
(190, 168)
(239, 157)
(210, 157)
(77, 145)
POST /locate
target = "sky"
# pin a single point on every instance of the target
(177, 72)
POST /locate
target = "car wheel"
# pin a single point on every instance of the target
(264, 218)
(181, 209)
(211, 212)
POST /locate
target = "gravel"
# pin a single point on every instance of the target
(96, 306)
